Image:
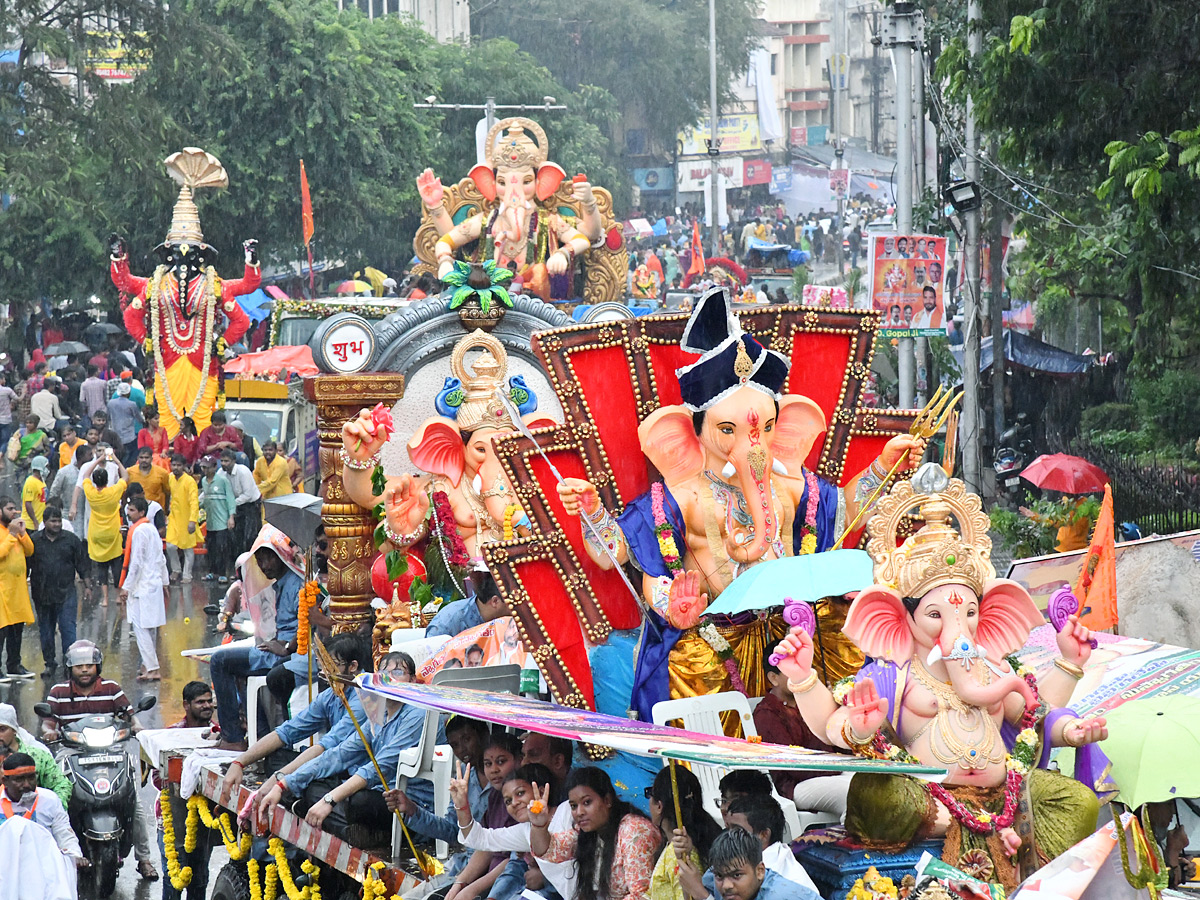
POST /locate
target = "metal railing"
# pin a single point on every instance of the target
(1158, 492)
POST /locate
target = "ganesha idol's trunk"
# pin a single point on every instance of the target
(968, 682)
(753, 471)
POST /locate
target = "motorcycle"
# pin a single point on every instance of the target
(104, 800)
(1013, 452)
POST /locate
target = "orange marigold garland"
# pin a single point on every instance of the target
(309, 595)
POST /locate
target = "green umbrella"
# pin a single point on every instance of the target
(1153, 744)
(805, 578)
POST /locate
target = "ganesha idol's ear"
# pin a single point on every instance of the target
(879, 624)
(669, 440)
(485, 179)
(1006, 616)
(437, 448)
(799, 423)
(549, 177)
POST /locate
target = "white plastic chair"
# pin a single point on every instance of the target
(254, 683)
(433, 761)
(430, 761)
(703, 714)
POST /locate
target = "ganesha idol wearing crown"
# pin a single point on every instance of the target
(735, 493)
(455, 449)
(519, 227)
(943, 690)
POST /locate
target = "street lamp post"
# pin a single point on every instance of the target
(714, 142)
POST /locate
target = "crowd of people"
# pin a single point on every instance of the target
(94, 464)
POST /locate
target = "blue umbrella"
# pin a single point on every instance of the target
(802, 578)
(255, 304)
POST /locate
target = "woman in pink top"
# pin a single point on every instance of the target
(613, 844)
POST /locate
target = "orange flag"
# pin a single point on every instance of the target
(1096, 589)
(697, 266)
(306, 214)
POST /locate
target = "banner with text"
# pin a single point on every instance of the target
(907, 278)
(693, 174)
(737, 134)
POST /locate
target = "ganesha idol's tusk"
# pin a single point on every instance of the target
(515, 415)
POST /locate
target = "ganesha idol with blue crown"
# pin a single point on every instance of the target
(735, 493)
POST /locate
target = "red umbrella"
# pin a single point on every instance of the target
(1068, 474)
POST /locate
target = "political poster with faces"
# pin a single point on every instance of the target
(908, 283)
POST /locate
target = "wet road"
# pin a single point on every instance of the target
(187, 626)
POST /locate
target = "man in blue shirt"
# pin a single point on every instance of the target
(737, 872)
(484, 606)
(351, 655)
(229, 664)
(467, 738)
(336, 800)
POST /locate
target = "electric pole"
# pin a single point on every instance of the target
(905, 24)
(969, 423)
(714, 141)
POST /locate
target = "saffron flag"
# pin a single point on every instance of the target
(306, 213)
(1097, 586)
(697, 266)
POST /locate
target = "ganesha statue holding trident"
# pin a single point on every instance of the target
(735, 493)
(520, 220)
(943, 690)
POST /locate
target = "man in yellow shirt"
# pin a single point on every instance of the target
(33, 493)
(152, 478)
(271, 472)
(182, 519)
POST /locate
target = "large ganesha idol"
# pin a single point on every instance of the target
(455, 449)
(943, 690)
(180, 310)
(734, 493)
(517, 211)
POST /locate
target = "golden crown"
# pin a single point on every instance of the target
(939, 553)
(516, 149)
(480, 407)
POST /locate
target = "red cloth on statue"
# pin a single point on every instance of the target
(137, 320)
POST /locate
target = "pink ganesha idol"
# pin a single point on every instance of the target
(944, 690)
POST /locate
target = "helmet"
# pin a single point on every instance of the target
(84, 653)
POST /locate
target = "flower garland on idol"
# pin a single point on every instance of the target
(1017, 763)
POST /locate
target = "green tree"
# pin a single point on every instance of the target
(57, 140)
(651, 56)
(265, 83)
(1092, 103)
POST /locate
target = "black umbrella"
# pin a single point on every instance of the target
(296, 515)
(66, 348)
(104, 328)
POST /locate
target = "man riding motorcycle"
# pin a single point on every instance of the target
(83, 694)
